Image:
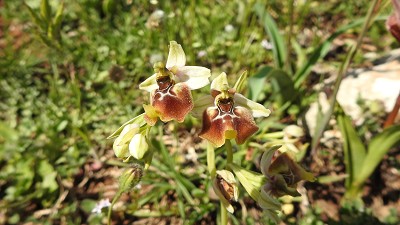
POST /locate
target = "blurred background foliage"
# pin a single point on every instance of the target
(69, 78)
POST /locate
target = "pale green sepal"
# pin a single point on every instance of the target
(220, 83)
(266, 159)
(138, 120)
(150, 84)
(257, 110)
(253, 185)
(176, 56)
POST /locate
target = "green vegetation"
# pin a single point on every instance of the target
(69, 76)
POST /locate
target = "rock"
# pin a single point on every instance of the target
(381, 83)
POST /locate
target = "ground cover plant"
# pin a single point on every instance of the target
(73, 72)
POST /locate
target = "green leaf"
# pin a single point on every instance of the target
(36, 19)
(283, 86)
(56, 24)
(241, 82)
(277, 40)
(257, 82)
(48, 174)
(87, 205)
(377, 148)
(45, 11)
(7, 132)
(354, 150)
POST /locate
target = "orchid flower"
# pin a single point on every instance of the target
(227, 114)
(170, 86)
(283, 174)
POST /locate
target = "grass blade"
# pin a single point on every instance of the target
(377, 148)
(354, 150)
(277, 40)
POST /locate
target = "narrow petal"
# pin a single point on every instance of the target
(257, 110)
(201, 104)
(194, 76)
(150, 84)
(176, 56)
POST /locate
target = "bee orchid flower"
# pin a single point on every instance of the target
(170, 86)
(227, 114)
(283, 174)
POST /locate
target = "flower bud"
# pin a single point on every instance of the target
(121, 143)
(130, 178)
(225, 186)
(138, 146)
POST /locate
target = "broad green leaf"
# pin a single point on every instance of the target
(354, 150)
(277, 40)
(377, 148)
(283, 86)
(257, 82)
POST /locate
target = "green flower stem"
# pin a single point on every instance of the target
(115, 199)
(224, 214)
(211, 160)
(229, 152)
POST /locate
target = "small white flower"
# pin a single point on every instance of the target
(104, 203)
(229, 28)
(266, 44)
(201, 54)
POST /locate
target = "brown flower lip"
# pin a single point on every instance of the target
(225, 121)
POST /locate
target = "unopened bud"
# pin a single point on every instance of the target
(138, 146)
(130, 177)
(121, 143)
